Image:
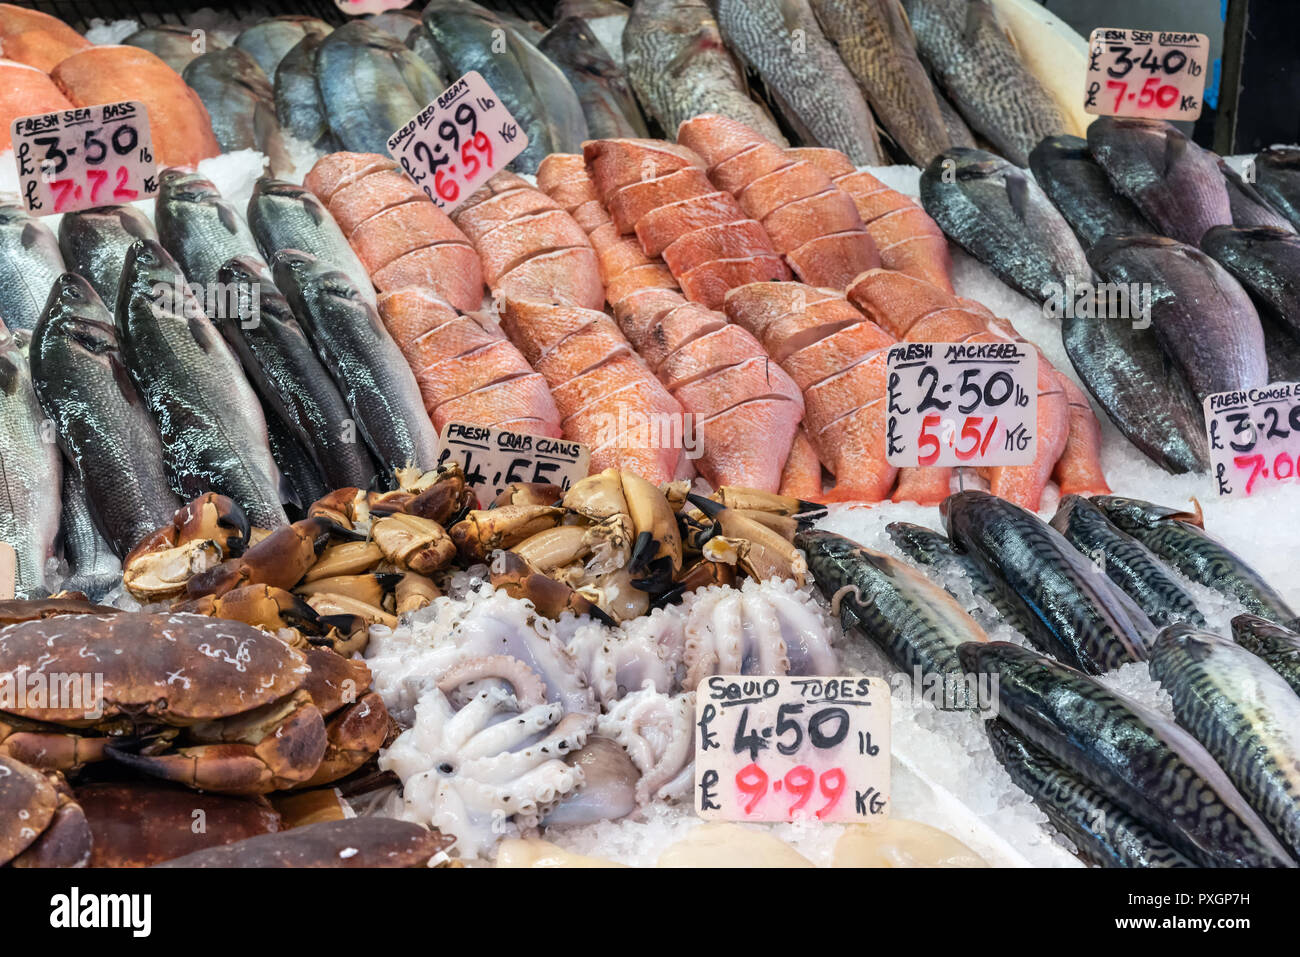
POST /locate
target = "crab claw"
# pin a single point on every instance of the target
(215, 518)
(551, 598)
(280, 560)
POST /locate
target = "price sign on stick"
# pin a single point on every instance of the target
(792, 748)
(8, 570)
(961, 404)
(1254, 437)
(85, 157)
(1146, 73)
(455, 144)
(495, 458)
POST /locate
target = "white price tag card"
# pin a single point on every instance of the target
(962, 404)
(455, 144)
(8, 570)
(792, 748)
(1154, 75)
(85, 157)
(1254, 437)
(358, 8)
(495, 458)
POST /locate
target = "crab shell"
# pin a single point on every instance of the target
(14, 610)
(355, 842)
(27, 804)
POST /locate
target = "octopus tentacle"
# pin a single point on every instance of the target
(529, 688)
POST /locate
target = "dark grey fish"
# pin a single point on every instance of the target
(606, 18)
(925, 546)
(1175, 183)
(913, 621)
(296, 389)
(1074, 612)
(1126, 562)
(284, 216)
(199, 228)
(370, 85)
(94, 244)
(813, 89)
(398, 23)
(270, 40)
(296, 464)
(466, 36)
(1201, 316)
(30, 261)
(1178, 537)
(241, 102)
(1277, 177)
(1249, 207)
(1278, 646)
(1264, 260)
(175, 45)
(1104, 832)
(958, 131)
(366, 364)
(30, 473)
(972, 58)
(107, 433)
(607, 102)
(1148, 765)
(210, 421)
(93, 569)
(1082, 192)
(998, 214)
(680, 68)
(298, 103)
(1244, 713)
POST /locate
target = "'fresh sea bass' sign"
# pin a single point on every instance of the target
(456, 143)
(1154, 75)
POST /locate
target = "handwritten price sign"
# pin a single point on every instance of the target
(1147, 74)
(494, 458)
(962, 404)
(458, 141)
(1254, 437)
(358, 8)
(86, 157)
(790, 748)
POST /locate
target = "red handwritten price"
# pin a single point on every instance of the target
(752, 781)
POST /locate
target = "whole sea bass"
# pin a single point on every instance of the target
(1201, 316)
(241, 104)
(607, 102)
(877, 44)
(199, 228)
(1075, 612)
(280, 362)
(93, 569)
(269, 41)
(972, 58)
(1147, 764)
(371, 374)
(1179, 538)
(94, 244)
(31, 473)
(1126, 562)
(370, 85)
(1175, 183)
(468, 37)
(1103, 831)
(284, 216)
(1080, 189)
(680, 68)
(1244, 714)
(814, 90)
(30, 261)
(211, 424)
(108, 435)
(998, 214)
(913, 621)
(1279, 647)
(298, 103)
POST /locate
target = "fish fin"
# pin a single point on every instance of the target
(134, 228)
(32, 235)
(228, 218)
(1196, 518)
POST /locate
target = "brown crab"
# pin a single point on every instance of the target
(213, 704)
(356, 842)
(41, 824)
(203, 533)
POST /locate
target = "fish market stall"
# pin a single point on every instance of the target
(817, 434)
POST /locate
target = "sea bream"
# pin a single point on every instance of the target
(108, 435)
(1249, 206)
(1178, 537)
(1150, 766)
(607, 102)
(175, 44)
(94, 244)
(814, 90)
(680, 68)
(607, 19)
(241, 104)
(210, 421)
(1080, 189)
(1277, 177)
(298, 103)
(1265, 260)
(1244, 713)
(31, 471)
(269, 40)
